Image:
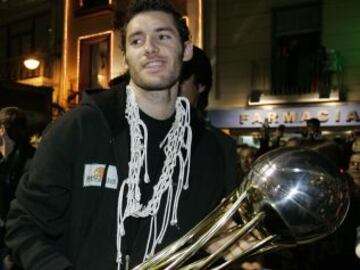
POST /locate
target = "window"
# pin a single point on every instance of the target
(297, 53)
(29, 37)
(20, 39)
(90, 4)
(94, 69)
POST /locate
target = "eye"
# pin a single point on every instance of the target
(164, 37)
(136, 41)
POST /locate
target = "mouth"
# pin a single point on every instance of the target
(155, 65)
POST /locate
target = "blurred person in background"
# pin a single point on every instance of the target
(16, 154)
(354, 171)
(195, 85)
(247, 155)
(196, 80)
(270, 141)
(312, 138)
(350, 228)
(336, 251)
(293, 142)
(312, 130)
(277, 136)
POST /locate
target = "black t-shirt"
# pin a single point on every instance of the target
(157, 130)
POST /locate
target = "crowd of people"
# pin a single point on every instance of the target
(114, 179)
(338, 251)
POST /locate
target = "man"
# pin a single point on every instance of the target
(247, 155)
(354, 171)
(15, 156)
(129, 170)
(196, 82)
(312, 130)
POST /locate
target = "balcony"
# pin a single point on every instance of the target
(315, 81)
(14, 70)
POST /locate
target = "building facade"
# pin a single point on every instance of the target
(271, 56)
(267, 55)
(76, 42)
(31, 29)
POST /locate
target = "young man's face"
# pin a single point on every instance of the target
(154, 53)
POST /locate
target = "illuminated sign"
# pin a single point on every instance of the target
(336, 114)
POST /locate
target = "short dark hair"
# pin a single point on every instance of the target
(314, 122)
(15, 123)
(281, 128)
(199, 66)
(139, 6)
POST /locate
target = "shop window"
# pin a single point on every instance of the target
(297, 53)
(94, 69)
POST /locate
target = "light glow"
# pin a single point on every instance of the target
(357, 250)
(292, 193)
(186, 18)
(304, 98)
(65, 48)
(200, 22)
(31, 63)
(269, 171)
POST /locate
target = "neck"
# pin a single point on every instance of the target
(159, 104)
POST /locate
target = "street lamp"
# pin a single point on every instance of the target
(31, 63)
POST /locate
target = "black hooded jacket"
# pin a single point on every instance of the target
(62, 219)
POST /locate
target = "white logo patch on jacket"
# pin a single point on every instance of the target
(111, 177)
(94, 174)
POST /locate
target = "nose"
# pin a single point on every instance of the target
(151, 46)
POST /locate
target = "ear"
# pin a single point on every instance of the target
(124, 62)
(188, 51)
(2, 130)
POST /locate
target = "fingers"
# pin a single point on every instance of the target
(239, 247)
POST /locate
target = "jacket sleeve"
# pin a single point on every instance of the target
(231, 174)
(38, 216)
(229, 155)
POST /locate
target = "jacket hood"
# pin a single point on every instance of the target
(110, 103)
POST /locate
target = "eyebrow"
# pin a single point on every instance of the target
(135, 34)
(160, 29)
(157, 30)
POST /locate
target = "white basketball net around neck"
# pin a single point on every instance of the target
(177, 149)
